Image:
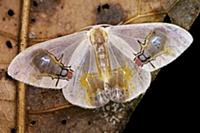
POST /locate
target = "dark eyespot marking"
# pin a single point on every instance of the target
(9, 44)
(13, 130)
(33, 122)
(11, 12)
(109, 14)
(64, 122)
(167, 19)
(35, 4)
(33, 20)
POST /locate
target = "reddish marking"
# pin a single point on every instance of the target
(138, 61)
(70, 74)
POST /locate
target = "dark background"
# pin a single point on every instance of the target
(171, 102)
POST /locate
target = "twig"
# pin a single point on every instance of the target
(23, 40)
(66, 105)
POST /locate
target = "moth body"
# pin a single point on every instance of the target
(99, 40)
(104, 83)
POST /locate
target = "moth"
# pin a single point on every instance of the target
(102, 63)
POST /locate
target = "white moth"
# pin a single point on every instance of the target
(103, 63)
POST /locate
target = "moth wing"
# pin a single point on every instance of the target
(129, 80)
(83, 89)
(177, 41)
(22, 68)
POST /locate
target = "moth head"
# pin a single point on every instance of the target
(98, 36)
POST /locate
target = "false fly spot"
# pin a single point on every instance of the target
(153, 46)
(48, 65)
(101, 63)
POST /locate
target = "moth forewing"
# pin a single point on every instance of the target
(177, 41)
(22, 67)
(146, 38)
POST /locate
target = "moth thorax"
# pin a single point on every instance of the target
(98, 36)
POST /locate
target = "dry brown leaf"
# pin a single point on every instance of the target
(47, 110)
(9, 23)
(7, 105)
